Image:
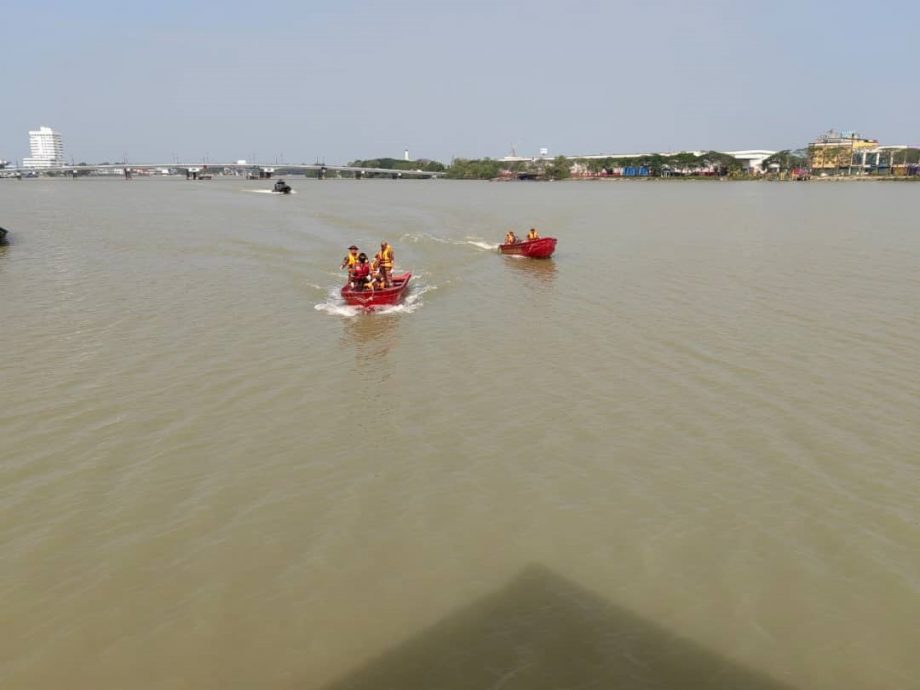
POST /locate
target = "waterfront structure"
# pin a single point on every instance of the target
(47, 149)
(838, 153)
(751, 160)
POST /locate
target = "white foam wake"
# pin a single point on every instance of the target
(334, 305)
(267, 191)
(488, 246)
(469, 241)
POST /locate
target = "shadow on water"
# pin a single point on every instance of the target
(372, 335)
(540, 271)
(542, 632)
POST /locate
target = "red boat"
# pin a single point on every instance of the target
(380, 297)
(540, 248)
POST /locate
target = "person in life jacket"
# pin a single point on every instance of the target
(532, 235)
(510, 237)
(383, 262)
(361, 273)
(351, 258)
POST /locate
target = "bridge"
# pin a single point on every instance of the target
(197, 170)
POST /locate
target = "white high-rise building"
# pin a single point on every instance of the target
(47, 149)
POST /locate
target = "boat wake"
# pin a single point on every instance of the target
(334, 305)
(469, 241)
(268, 191)
(488, 246)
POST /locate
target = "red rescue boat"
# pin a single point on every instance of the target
(380, 297)
(540, 248)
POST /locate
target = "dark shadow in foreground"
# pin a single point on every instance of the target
(542, 632)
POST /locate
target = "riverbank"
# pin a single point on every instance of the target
(739, 178)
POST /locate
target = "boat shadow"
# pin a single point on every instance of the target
(540, 271)
(544, 632)
(372, 334)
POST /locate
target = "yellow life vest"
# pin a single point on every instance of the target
(352, 259)
(385, 257)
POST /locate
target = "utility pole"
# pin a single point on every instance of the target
(852, 146)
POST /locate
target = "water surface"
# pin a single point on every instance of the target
(684, 448)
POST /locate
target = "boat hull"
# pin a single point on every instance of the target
(541, 248)
(368, 299)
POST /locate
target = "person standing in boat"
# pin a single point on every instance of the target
(510, 237)
(351, 258)
(383, 262)
(361, 273)
(532, 235)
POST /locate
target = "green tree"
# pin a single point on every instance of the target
(559, 169)
(465, 169)
(785, 160)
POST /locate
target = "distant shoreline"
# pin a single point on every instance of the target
(758, 178)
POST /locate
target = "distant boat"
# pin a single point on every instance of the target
(541, 248)
(2, 236)
(282, 187)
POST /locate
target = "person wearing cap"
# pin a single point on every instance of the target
(383, 262)
(532, 235)
(351, 258)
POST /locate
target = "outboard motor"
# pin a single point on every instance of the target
(282, 187)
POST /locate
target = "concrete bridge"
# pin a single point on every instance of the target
(197, 170)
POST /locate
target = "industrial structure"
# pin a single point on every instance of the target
(849, 153)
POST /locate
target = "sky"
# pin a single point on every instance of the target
(302, 81)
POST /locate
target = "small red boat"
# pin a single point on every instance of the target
(541, 248)
(380, 297)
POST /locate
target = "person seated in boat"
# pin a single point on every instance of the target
(378, 282)
(361, 273)
(383, 263)
(351, 258)
(532, 235)
(510, 237)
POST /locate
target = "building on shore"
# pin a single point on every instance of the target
(46, 148)
(838, 153)
(847, 153)
(899, 161)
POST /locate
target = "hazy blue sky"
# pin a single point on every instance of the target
(337, 80)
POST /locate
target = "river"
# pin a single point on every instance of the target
(683, 452)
